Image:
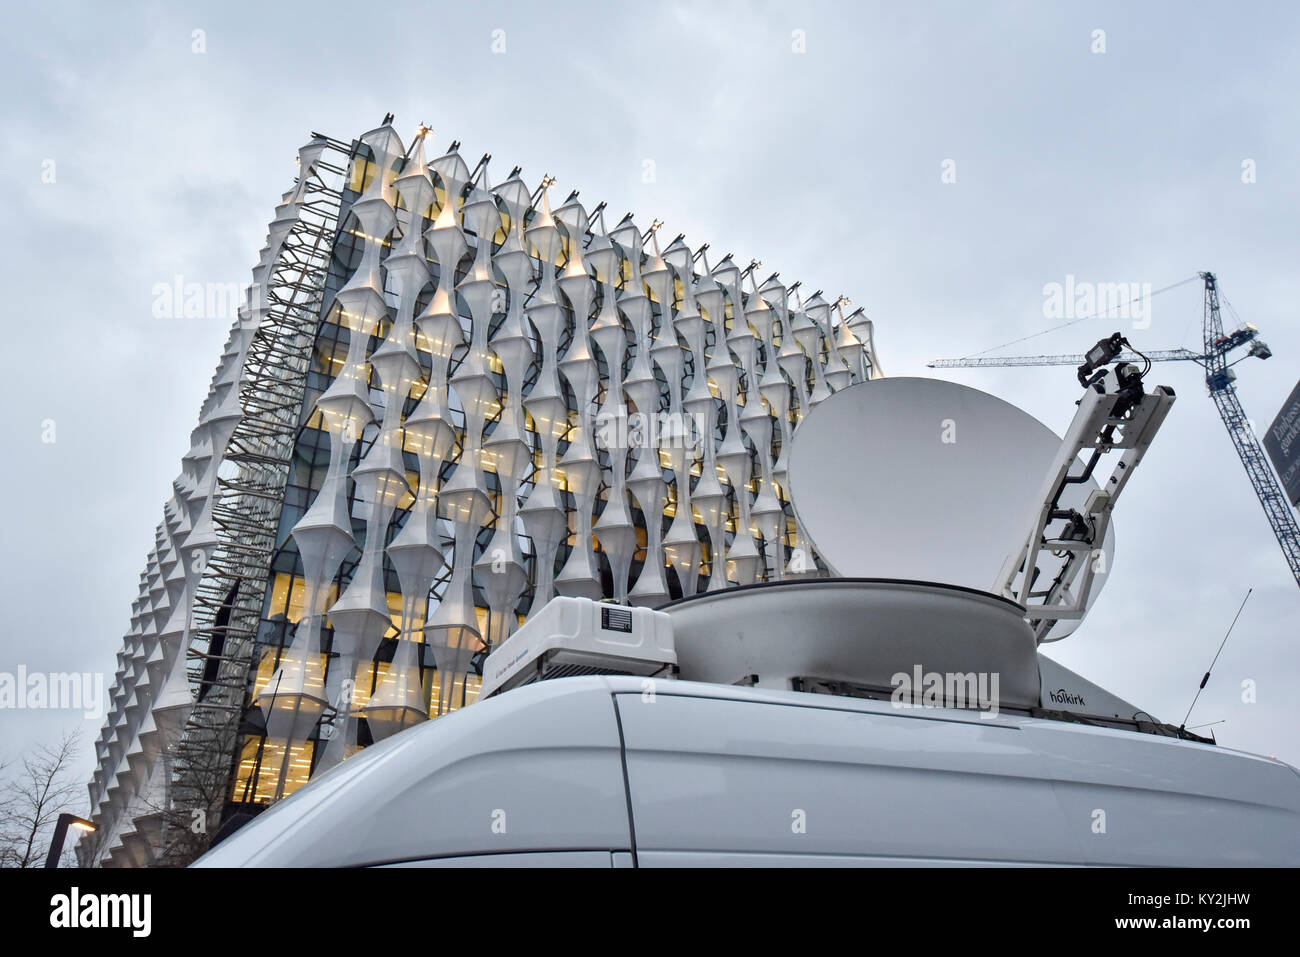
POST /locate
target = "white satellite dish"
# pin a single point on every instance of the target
(923, 480)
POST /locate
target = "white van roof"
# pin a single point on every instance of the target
(662, 767)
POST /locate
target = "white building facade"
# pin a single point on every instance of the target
(445, 401)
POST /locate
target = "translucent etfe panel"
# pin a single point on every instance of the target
(460, 687)
(460, 690)
(920, 479)
(368, 677)
(267, 665)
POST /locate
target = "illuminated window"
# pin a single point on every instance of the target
(362, 172)
(262, 759)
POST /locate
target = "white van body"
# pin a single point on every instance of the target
(627, 771)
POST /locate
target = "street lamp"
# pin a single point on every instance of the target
(61, 832)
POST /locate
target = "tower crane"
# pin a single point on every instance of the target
(1219, 380)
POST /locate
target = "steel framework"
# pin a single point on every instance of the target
(1224, 393)
(250, 493)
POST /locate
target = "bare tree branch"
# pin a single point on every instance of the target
(33, 797)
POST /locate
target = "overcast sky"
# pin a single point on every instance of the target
(827, 164)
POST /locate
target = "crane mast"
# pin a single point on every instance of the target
(1219, 380)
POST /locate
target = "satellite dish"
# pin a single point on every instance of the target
(924, 480)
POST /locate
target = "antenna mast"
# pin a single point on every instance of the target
(1183, 727)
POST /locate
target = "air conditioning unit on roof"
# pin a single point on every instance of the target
(578, 636)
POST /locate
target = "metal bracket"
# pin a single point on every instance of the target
(1108, 420)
